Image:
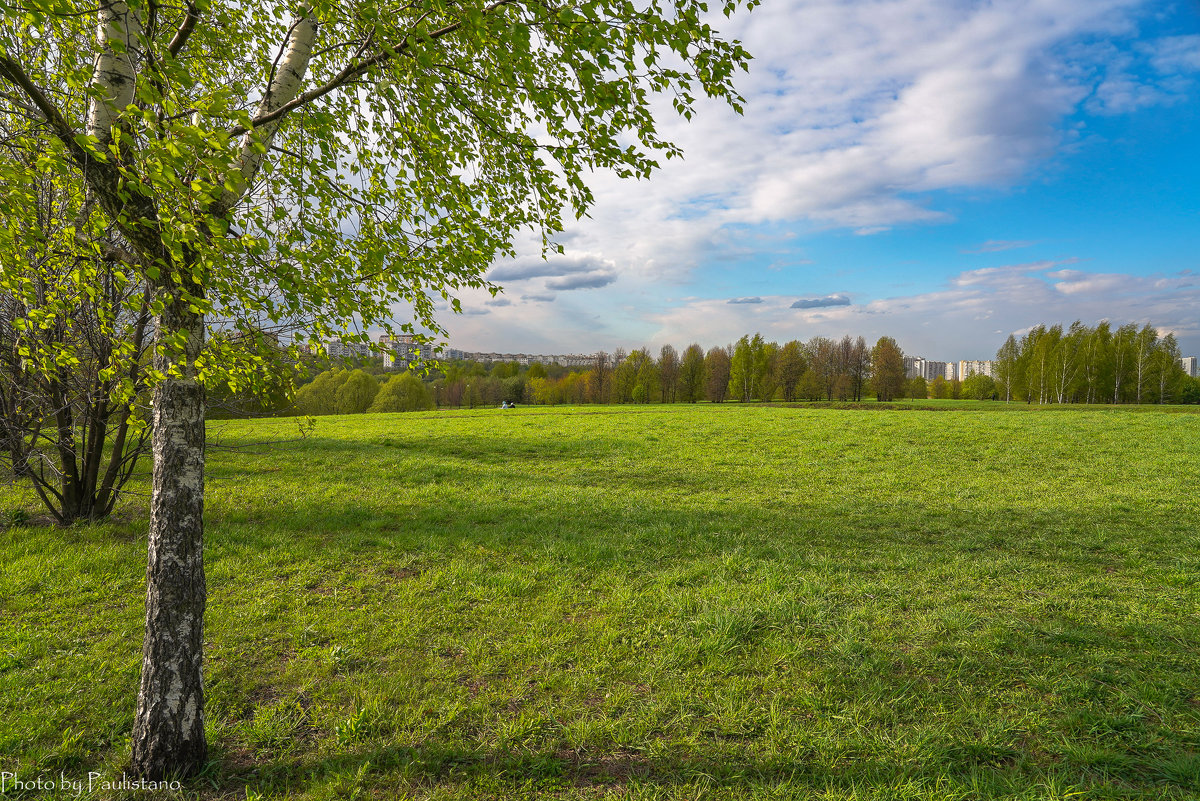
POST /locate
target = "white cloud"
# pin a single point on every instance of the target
(856, 111)
(859, 114)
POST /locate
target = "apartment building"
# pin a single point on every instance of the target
(526, 359)
(918, 367)
(340, 350)
(967, 368)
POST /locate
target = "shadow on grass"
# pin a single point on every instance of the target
(952, 770)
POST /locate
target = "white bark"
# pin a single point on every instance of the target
(118, 35)
(284, 87)
(168, 732)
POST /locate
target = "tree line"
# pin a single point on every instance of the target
(1093, 364)
(1048, 364)
(751, 369)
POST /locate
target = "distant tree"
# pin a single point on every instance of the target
(843, 389)
(1066, 363)
(453, 393)
(512, 389)
(575, 387)
(320, 395)
(544, 391)
(504, 370)
(1006, 367)
(844, 356)
(824, 362)
(645, 376)
(887, 369)
(859, 367)
(978, 386)
(1166, 368)
(600, 383)
(917, 388)
(473, 391)
(1031, 364)
(668, 373)
(1189, 389)
(1041, 369)
(1094, 368)
(1145, 343)
(624, 377)
(716, 374)
(765, 366)
(789, 368)
(743, 383)
(940, 388)
(1121, 359)
(357, 393)
(691, 374)
(536, 370)
(403, 392)
(811, 386)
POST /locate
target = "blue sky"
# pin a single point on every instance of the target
(941, 171)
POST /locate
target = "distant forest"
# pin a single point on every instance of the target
(1049, 364)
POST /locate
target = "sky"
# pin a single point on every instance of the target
(944, 172)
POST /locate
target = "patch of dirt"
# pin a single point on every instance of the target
(604, 769)
(473, 684)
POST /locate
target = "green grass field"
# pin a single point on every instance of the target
(965, 602)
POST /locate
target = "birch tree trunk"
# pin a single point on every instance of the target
(168, 733)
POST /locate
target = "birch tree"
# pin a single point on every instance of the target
(1145, 343)
(1166, 365)
(1006, 366)
(742, 375)
(1120, 357)
(315, 163)
(1065, 357)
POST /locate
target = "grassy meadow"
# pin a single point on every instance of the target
(966, 601)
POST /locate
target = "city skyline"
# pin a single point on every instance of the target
(942, 172)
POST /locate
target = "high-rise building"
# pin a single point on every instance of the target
(1188, 363)
(967, 368)
(919, 367)
(402, 350)
(338, 350)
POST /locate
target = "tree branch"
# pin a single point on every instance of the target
(11, 70)
(192, 16)
(353, 71)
